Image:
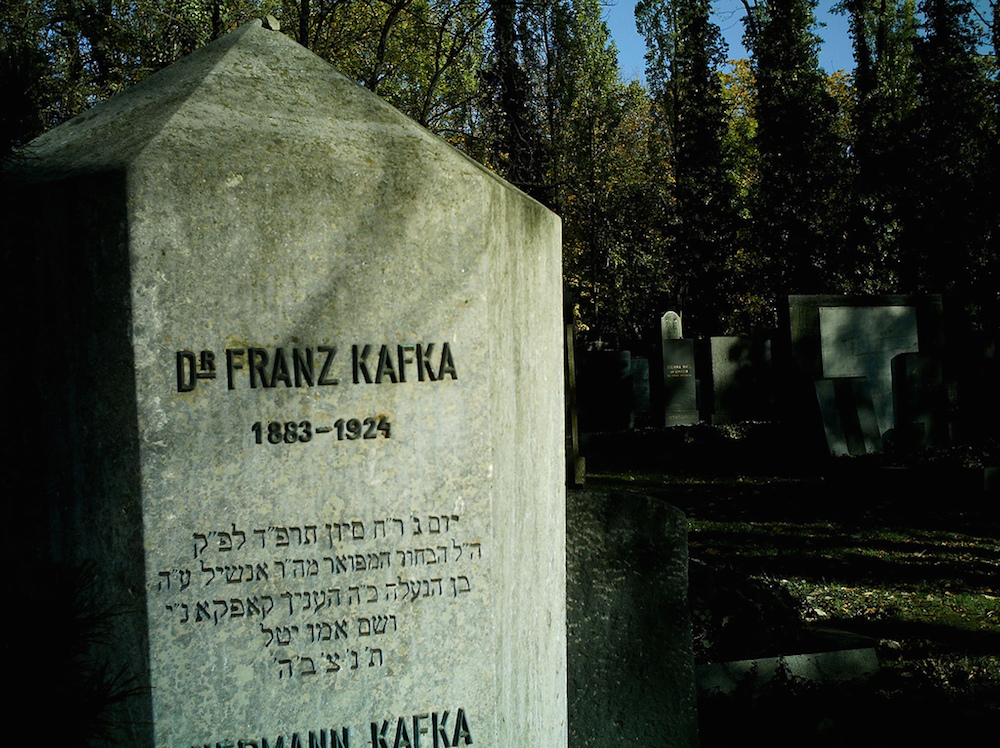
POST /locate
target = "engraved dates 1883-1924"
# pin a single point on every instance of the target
(298, 432)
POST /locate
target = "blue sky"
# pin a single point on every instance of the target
(835, 53)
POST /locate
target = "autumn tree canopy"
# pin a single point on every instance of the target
(715, 187)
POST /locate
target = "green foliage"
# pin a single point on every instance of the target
(796, 227)
(952, 231)
(686, 51)
(720, 185)
(885, 100)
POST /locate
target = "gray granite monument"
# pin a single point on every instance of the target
(302, 408)
(845, 337)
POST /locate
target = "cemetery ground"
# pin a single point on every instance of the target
(790, 554)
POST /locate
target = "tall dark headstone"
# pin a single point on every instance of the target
(742, 379)
(680, 390)
(299, 401)
(604, 384)
(920, 402)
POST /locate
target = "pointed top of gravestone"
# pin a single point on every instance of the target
(254, 91)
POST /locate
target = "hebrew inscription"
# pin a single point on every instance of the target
(320, 599)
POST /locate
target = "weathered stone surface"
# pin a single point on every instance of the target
(839, 337)
(741, 378)
(671, 327)
(848, 415)
(862, 341)
(300, 396)
(817, 667)
(631, 666)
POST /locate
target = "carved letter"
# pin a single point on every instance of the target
(324, 375)
(279, 372)
(360, 364)
(186, 371)
(447, 367)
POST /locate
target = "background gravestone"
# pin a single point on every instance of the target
(671, 327)
(299, 402)
(605, 387)
(741, 377)
(919, 400)
(631, 664)
(862, 341)
(841, 337)
(680, 389)
(849, 421)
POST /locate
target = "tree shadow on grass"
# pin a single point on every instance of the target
(806, 553)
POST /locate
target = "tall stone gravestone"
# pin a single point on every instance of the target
(741, 379)
(304, 410)
(680, 393)
(920, 402)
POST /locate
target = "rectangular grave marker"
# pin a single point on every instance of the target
(304, 411)
(679, 386)
(832, 336)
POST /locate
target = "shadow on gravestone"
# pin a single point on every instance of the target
(298, 397)
(849, 419)
(920, 402)
(631, 665)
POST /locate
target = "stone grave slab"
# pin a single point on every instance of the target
(849, 420)
(671, 326)
(605, 388)
(840, 336)
(741, 379)
(302, 408)
(920, 402)
(631, 664)
(680, 393)
(862, 341)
